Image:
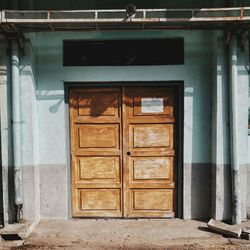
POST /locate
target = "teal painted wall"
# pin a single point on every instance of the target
(196, 74)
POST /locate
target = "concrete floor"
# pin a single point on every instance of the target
(124, 234)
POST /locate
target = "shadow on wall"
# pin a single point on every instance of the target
(55, 107)
(201, 176)
(49, 96)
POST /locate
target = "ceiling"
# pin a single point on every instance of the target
(119, 4)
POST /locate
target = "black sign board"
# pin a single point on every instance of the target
(123, 52)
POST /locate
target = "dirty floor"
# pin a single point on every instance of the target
(124, 234)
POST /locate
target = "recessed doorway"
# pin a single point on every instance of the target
(123, 151)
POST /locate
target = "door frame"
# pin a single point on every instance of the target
(178, 86)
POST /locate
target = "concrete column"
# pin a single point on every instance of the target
(3, 122)
(234, 131)
(221, 184)
(242, 93)
(6, 134)
(16, 121)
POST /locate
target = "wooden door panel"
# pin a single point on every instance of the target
(93, 105)
(149, 169)
(98, 136)
(96, 169)
(151, 203)
(99, 202)
(100, 199)
(151, 136)
(96, 153)
(152, 199)
(149, 142)
(98, 104)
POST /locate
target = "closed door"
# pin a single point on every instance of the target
(122, 148)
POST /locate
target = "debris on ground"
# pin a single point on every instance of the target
(245, 233)
(226, 230)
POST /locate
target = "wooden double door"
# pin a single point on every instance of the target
(122, 148)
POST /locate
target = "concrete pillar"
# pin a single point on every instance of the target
(248, 150)
(221, 184)
(6, 134)
(242, 93)
(234, 130)
(16, 121)
(221, 193)
(4, 168)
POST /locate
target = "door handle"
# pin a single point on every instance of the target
(128, 153)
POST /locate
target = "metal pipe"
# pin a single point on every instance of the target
(16, 120)
(234, 130)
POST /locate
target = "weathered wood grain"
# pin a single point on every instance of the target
(123, 155)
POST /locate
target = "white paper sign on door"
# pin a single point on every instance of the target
(152, 105)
